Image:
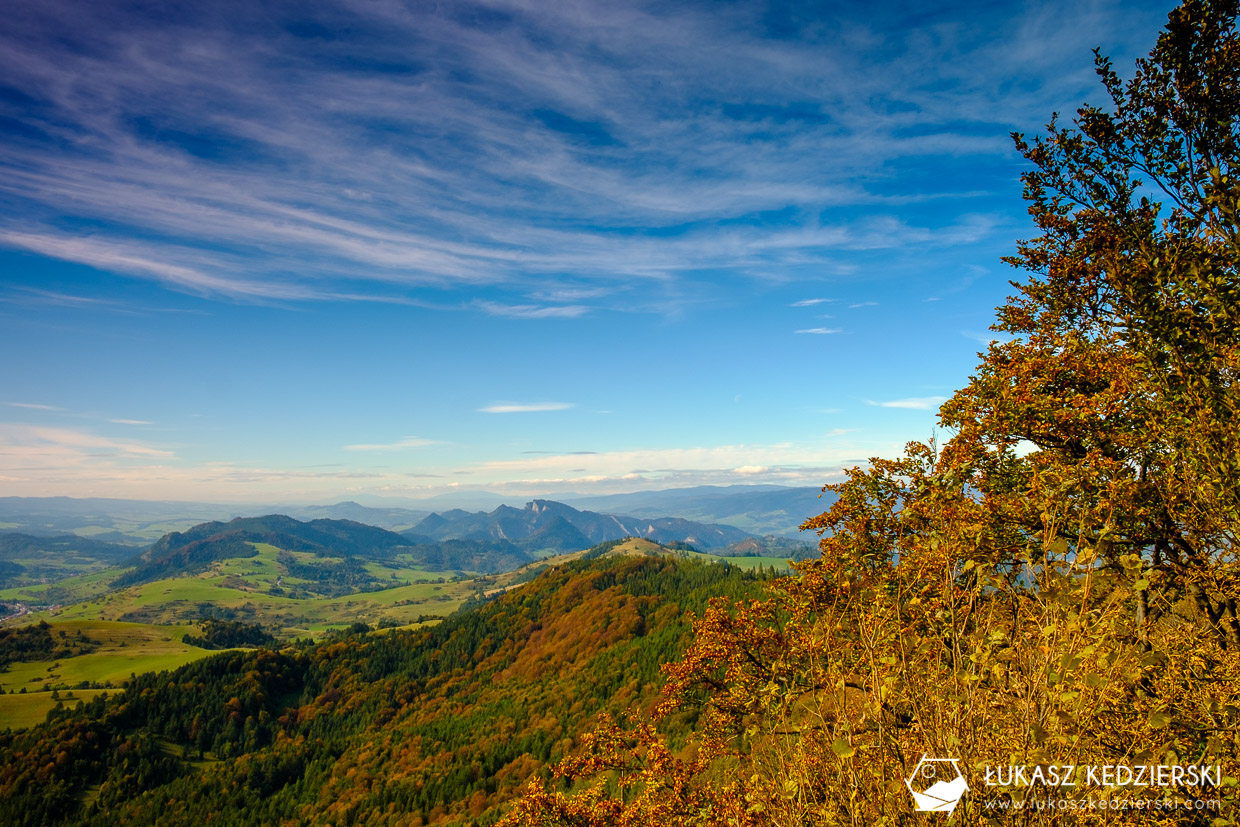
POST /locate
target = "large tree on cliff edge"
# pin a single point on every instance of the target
(1122, 372)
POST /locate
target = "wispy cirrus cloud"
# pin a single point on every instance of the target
(563, 453)
(131, 422)
(38, 445)
(912, 403)
(533, 311)
(141, 258)
(33, 406)
(809, 302)
(821, 331)
(526, 407)
(33, 295)
(989, 337)
(534, 148)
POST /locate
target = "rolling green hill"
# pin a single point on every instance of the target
(192, 551)
(139, 522)
(325, 557)
(128, 630)
(300, 578)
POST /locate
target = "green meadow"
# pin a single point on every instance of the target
(20, 711)
(124, 649)
(778, 564)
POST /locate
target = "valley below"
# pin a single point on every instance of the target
(135, 611)
(455, 687)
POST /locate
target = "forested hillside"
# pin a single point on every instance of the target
(440, 725)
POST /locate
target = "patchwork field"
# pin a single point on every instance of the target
(256, 590)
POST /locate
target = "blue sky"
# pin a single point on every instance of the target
(307, 252)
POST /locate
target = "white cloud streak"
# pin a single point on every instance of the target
(531, 311)
(47, 462)
(33, 406)
(404, 444)
(912, 403)
(37, 445)
(531, 407)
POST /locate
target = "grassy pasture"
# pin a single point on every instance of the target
(747, 563)
(21, 711)
(403, 569)
(635, 546)
(124, 649)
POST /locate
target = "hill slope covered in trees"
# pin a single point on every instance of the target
(438, 725)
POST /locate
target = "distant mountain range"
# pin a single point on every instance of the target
(132, 522)
(339, 537)
(545, 524)
(139, 523)
(391, 518)
(756, 509)
(500, 540)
